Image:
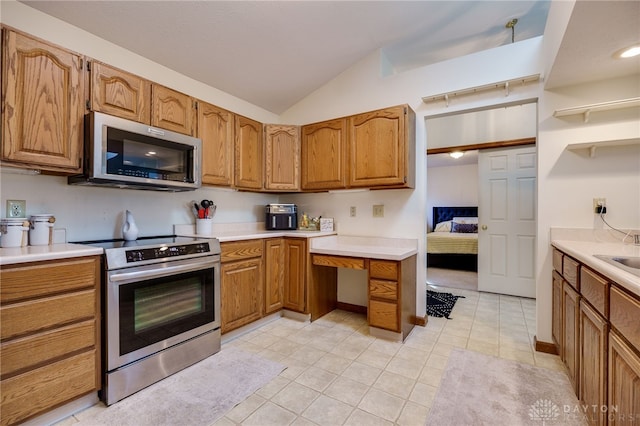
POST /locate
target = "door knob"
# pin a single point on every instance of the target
(484, 227)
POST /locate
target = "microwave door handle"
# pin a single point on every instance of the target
(273, 222)
(289, 222)
(154, 273)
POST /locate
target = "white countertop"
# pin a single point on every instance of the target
(584, 252)
(12, 255)
(368, 247)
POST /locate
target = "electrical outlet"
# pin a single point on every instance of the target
(378, 210)
(16, 208)
(352, 211)
(599, 205)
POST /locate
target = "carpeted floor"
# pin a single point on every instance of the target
(466, 280)
(479, 389)
(197, 395)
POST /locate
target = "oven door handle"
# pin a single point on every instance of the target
(157, 272)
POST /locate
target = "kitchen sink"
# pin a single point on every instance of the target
(628, 263)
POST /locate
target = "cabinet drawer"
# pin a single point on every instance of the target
(386, 270)
(557, 260)
(25, 317)
(44, 279)
(571, 272)
(38, 390)
(36, 350)
(595, 289)
(383, 289)
(339, 261)
(383, 315)
(624, 314)
(238, 250)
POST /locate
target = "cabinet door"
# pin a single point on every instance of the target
(593, 363)
(241, 293)
(119, 93)
(274, 277)
(282, 157)
(324, 155)
(172, 110)
(556, 313)
(249, 156)
(571, 335)
(295, 269)
(215, 128)
(42, 105)
(624, 382)
(378, 148)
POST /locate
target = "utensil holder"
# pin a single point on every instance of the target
(204, 227)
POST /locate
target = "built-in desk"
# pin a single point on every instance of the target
(391, 289)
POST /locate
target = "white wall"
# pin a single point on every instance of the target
(568, 181)
(362, 88)
(94, 213)
(451, 186)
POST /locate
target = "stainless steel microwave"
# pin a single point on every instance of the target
(127, 154)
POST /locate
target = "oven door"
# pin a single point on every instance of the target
(151, 308)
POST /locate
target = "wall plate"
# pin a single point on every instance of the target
(16, 208)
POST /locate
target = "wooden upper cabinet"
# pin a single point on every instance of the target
(382, 148)
(282, 157)
(248, 164)
(323, 148)
(119, 93)
(172, 110)
(42, 104)
(215, 128)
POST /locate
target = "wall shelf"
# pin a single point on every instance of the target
(500, 85)
(586, 110)
(592, 146)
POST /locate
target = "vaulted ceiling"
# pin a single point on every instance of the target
(274, 53)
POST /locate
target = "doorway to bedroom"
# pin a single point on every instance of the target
(467, 248)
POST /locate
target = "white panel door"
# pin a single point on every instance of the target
(507, 221)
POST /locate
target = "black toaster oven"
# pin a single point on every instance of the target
(281, 216)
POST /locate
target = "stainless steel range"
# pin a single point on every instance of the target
(161, 309)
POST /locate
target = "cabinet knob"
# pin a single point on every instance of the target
(484, 227)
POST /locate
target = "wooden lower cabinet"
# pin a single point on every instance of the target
(50, 333)
(556, 314)
(274, 250)
(241, 293)
(593, 364)
(571, 333)
(295, 260)
(624, 383)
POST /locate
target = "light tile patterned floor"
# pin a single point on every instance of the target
(339, 375)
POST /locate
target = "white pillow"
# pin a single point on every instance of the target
(443, 226)
(465, 219)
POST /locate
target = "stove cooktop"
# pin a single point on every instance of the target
(140, 242)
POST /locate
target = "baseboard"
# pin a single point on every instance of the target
(421, 321)
(545, 347)
(352, 308)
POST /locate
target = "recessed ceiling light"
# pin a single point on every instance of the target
(628, 52)
(456, 154)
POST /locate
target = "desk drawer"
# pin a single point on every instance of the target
(339, 261)
(383, 315)
(383, 269)
(383, 289)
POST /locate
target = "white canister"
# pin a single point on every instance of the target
(14, 232)
(204, 227)
(41, 232)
